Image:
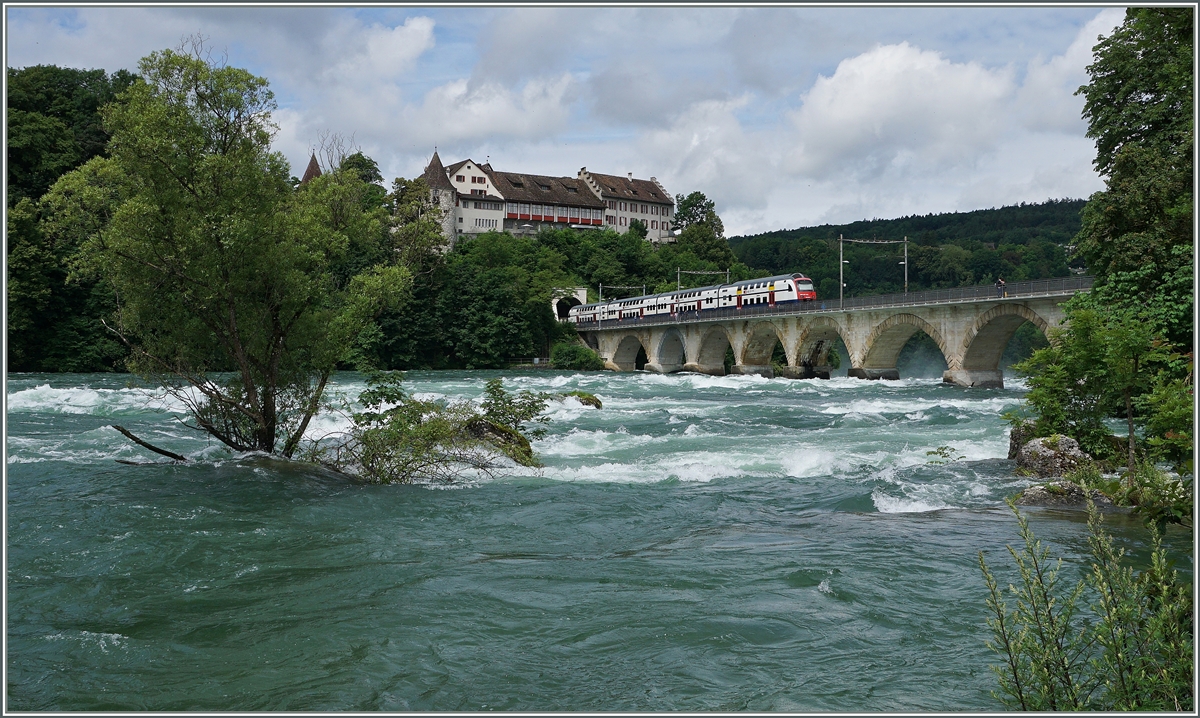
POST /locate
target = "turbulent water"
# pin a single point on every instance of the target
(700, 543)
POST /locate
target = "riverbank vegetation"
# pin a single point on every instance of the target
(1125, 350)
(1123, 354)
(1116, 640)
(953, 249)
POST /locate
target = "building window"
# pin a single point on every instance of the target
(653, 224)
(524, 208)
(574, 213)
(653, 209)
(610, 219)
(460, 178)
(460, 220)
(622, 221)
(479, 192)
(644, 210)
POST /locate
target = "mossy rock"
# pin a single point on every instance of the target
(584, 398)
(507, 441)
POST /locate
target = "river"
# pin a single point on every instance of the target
(700, 543)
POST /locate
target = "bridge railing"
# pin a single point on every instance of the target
(1059, 286)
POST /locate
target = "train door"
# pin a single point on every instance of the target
(771, 294)
(739, 297)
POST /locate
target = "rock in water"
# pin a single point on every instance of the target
(508, 441)
(1061, 494)
(1020, 434)
(1051, 456)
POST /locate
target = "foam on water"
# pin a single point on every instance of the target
(97, 402)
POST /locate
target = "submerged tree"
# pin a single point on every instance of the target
(236, 292)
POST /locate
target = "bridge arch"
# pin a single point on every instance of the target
(886, 339)
(707, 353)
(817, 339)
(626, 355)
(760, 343)
(988, 336)
(671, 350)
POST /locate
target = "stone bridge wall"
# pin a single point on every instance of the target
(972, 337)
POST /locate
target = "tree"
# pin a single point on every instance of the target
(695, 209)
(219, 265)
(638, 228)
(1140, 93)
(1137, 233)
(54, 126)
(54, 123)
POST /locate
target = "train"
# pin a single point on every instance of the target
(772, 291)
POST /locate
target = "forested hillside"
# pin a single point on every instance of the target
(1026, 241)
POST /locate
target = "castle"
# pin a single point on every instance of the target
(475, 198)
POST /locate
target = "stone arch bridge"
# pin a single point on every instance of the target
(971, 325)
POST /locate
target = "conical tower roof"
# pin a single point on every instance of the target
(314, 170)
(435, 174)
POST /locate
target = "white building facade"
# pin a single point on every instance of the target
(475, 198)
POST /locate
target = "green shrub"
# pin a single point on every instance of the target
(575, 357)
(1134, 652)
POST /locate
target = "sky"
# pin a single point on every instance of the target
(784, 116)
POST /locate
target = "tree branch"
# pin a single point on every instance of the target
(148, 445)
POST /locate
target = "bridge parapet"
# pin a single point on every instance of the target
(971, 325)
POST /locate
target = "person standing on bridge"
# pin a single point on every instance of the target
(1001, 288)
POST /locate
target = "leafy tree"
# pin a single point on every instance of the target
(218, 264)
(1140, 93)
(696, 209)
(702, 241)
(576, 357)
(54, 123)
(1137, 238)
(638, 228)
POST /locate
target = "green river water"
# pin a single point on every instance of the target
(700, 543)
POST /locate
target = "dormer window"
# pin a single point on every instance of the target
(544, 187)
(516, 183)
(572, 190)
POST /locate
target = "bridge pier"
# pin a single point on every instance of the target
(759, 369)
(985, 378)
(663, 368)
(806, 372)
(864, 373)
(710, 369)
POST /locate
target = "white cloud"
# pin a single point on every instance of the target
(1047, 99)
(381, 53)
(784, 116)
(898, 105)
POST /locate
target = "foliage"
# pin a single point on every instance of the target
(1134, 652)
(398, 439)
(218, 264)
(945, 455)
(1020, 242)
(54, 123)
(1140, 92)
(575, 357)
(54, 126)
(696, 209)
(514, 410)
(1118, 356)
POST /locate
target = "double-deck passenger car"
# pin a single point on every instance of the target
(771, 291)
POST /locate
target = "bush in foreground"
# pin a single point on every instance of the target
(1134, 652)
